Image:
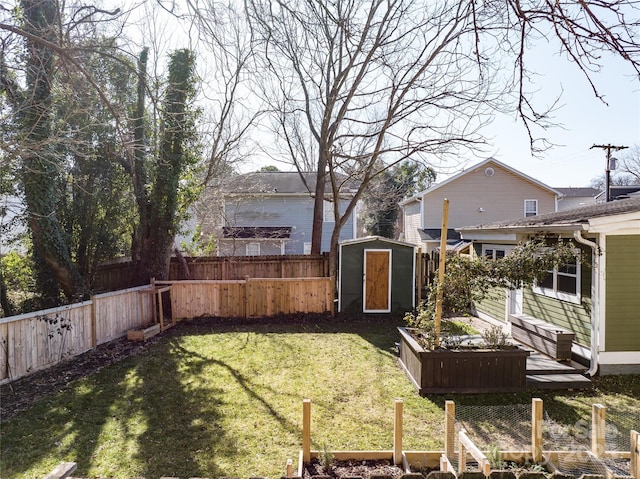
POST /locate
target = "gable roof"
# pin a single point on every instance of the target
(570, 219)
(280, 182)
(418, 196)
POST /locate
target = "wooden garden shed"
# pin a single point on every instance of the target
(376, 275)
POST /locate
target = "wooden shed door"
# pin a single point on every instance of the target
(377, 281)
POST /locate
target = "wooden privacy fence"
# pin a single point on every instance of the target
(251, 297)
(41, 339)
(222, 268)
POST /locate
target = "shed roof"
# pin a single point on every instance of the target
(368, 239)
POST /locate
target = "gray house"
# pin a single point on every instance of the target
(271, 213)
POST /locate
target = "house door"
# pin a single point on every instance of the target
(377, 281)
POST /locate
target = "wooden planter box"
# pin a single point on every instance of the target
(143, 334)
(462, 370)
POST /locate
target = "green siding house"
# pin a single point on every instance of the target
(597, 298)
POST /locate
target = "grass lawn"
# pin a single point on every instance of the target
(221, 400)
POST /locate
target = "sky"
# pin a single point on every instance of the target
(583, 120)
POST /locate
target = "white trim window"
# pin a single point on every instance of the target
(327, 212)
(307, 248)
(252, 249)
(495, 251)
(530, 208)
(563, 283)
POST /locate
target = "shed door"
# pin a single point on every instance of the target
(377, 281)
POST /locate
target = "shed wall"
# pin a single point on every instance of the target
(402, 275)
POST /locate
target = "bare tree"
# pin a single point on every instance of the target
(629, 166)
(356, 82)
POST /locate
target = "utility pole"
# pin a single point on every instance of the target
(609, 148)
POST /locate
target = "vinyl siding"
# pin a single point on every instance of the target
(412, 222)
(501, 196)
(280, 210)
(238, 247)
(622, 327)
(564, 314)
(494, 304)
(574, 317)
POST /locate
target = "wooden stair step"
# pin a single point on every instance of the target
(558, 381)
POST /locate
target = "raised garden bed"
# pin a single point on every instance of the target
(463, 458)
(144, 333)
(465, 370)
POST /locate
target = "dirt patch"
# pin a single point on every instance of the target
(22, 393)
(352, 468)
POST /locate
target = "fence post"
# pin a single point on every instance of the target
(449, 428)
(419, 275)
(536, 429)
(246, 296)
(94, 326)
(598, 425)
(635, 454)
(306, 430)
(462, 453)
(397, 432)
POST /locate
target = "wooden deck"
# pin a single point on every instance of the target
(544, 372)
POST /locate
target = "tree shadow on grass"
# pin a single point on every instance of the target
(185, 435)
(68, 425)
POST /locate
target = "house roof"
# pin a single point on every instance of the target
(582, 192)
(433, 234)
(256, 232)
(418, 196)
(280, 182)
(571, 218)
(620, 192)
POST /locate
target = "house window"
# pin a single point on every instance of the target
(328, 211)
(495, 251)
(253, 249)
(307, 248)
(562, 283)
(530, 208)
